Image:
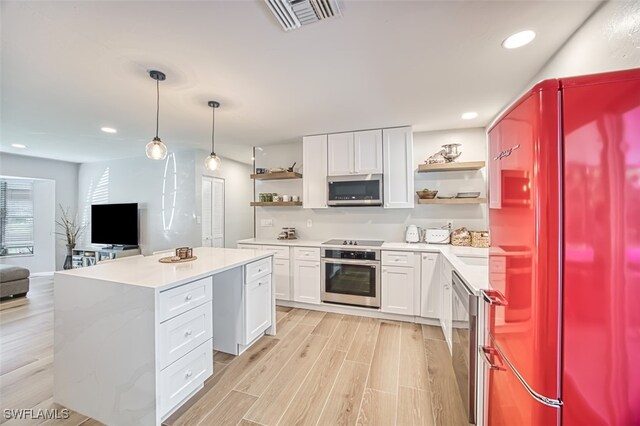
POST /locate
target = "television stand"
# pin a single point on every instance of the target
(120, 247)
(89, 257)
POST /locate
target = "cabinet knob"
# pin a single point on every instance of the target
(187, 374)
(188, 297)
(188, 333)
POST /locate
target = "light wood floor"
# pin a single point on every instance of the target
(320, 369)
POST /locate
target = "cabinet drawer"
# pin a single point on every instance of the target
(185, 376)
(180, 299)
(282, 252)
(398, 258)
(249, 246)
(306, 253)
(257, 269)
(181, 334)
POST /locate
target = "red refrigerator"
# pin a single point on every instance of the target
(563, 310)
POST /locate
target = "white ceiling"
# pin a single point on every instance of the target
(69, 68)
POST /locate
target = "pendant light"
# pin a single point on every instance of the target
(212, 162)
(155, 149)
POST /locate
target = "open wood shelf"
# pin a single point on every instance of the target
(451, 167)
(276, 176)
(275, 203)
(453, 201)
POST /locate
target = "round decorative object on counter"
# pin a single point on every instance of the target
(176, 259)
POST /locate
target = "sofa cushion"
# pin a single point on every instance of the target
(12, 273)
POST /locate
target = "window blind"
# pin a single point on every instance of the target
(16, 216)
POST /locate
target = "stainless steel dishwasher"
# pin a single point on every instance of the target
(464, 342)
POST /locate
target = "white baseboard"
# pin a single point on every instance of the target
(355, 310)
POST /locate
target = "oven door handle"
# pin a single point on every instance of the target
(372, 263)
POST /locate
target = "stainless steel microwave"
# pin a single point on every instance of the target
(365, 190)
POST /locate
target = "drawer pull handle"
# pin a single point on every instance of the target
(188, 374)
(188, 297)
(188, 333)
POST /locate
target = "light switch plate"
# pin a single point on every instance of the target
(266, 222)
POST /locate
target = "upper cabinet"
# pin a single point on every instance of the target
(357, 153)
(397, 144)
(368, 152)
(340, 151)
(314, 160)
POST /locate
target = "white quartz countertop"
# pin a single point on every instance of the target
(147, 271)
(471, 263)
(275, 242)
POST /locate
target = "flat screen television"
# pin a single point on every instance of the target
(115, 224)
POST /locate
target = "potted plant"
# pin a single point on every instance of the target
(70, 230)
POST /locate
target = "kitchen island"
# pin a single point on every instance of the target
(134, 338)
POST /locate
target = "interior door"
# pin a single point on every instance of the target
(212, 212)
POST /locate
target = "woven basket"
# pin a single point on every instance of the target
(480, 239)
(461, 237)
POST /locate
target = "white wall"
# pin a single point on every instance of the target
(238, 193)
(376, 222)
(609, 40)
(164, 191)
(169, 196)
(65, 176)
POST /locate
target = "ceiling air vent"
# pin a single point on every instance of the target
(294, 13)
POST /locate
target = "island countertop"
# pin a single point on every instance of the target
(147, 271)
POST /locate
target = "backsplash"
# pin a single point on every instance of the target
(377, 222)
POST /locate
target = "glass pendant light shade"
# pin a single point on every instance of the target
(212, 162)
(156, 150)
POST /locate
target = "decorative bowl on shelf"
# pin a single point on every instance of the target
(426, 194)
(468, 195)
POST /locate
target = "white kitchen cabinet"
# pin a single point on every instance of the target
(355, 153)
(257, 308)
(340, 150)
(314, 174)
(397, 290)
(249, 246)
(282, 277)
(306, 281)
(397, 144)
(430, 286)
(446, 311)
(367, 152)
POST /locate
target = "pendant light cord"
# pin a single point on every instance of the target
(157, 105)
(213, 126)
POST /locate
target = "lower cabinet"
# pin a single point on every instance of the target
(306, 281)
(257, 308)
(446, 311)
(398, 285)
(282, 278)
(430, 286)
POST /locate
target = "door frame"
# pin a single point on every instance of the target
(224, 206)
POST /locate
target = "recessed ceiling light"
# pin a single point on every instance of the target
(18, 145)
(518, 39)
(469, 115)
(108, 130)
